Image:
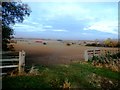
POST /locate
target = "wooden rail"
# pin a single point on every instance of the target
(97, 52)
(9, 66)
(19, 59)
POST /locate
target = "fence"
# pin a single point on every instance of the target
(97, 52)
(18, 60)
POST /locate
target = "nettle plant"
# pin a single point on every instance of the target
(108, 58)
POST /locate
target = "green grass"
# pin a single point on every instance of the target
(54, 76)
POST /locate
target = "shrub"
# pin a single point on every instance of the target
(44, 43)
(68, 44)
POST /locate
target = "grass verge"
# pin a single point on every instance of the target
(78, 75)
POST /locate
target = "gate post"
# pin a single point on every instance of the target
(21, 61)
(86, 55)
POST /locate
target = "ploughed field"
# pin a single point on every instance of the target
(53, 52)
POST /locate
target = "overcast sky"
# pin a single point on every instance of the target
(70, 20)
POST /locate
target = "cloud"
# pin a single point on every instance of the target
(67, 23)
(35, 23)
(74, 18)
(50, 11)
(71, 9)
(48, 26)
(28, 28)
(29, 21)
(23, 25)
(59, 30)
(64, 10)
(84, 33)
(39, 28)
(104, 26)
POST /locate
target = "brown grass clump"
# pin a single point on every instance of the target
(66, 85)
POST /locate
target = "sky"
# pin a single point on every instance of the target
(70, 20)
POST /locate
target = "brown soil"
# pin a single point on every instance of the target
(53, 52)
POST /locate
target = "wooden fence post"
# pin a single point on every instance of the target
(86, 55)
(21, 61)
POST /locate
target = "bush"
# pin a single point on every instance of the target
(44, 43)
(68, 44)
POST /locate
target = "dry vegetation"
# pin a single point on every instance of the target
(109, 61)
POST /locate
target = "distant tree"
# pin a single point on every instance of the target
(68, 44)
(114, 43)
(44, 43)
(111, 43)
(12, 12)
(107, 42)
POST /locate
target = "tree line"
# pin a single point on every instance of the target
(106, 43)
